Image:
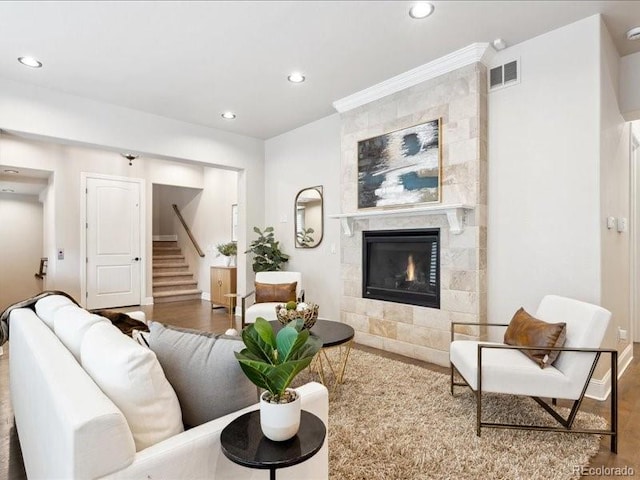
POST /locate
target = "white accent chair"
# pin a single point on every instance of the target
(267, 310)
(499, 368)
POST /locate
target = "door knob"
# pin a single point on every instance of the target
(137, 259)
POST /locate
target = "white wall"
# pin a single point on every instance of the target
(630, 86)
(21, 244)
(165, 221)
(63, 200)
(207, 211)
(544, 202)
(306, 157)
(614, 196)
(64, 118)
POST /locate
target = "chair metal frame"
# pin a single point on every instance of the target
(567, 423)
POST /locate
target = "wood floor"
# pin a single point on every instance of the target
(199, 315)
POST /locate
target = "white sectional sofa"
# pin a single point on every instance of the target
(68, 428)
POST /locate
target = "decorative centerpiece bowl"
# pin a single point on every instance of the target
(286, 312)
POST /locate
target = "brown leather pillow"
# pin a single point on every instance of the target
(276, 292)
(527, 331)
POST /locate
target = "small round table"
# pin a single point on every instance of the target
(243, 443)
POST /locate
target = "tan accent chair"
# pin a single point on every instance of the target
(267, 310)
(499, 368)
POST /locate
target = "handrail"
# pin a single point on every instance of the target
(184, 224)
(42, 272)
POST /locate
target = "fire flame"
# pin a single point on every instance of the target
(411, 269)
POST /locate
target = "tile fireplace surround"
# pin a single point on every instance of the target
(459, 98)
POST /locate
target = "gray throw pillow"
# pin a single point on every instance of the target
(203, 371)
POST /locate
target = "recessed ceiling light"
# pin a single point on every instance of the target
(8, 190)
(421, 10)
(10, 170)
(30, 62)
(633, 34)
(296, 77)
(228, 115)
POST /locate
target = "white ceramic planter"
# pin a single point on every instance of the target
(279, 421)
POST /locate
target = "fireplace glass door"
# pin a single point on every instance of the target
(402, 266)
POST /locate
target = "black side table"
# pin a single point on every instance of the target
(243, 443)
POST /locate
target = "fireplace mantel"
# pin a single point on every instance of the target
(455, 214)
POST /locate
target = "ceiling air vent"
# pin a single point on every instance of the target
(504, 75)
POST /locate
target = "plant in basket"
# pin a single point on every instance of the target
(287, 312)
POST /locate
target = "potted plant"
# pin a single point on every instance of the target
(267, 256)
(304, 237)
(229, 250)
(272, 362)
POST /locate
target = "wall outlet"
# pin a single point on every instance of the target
(622, 334)
(611, 222)
(61, 254)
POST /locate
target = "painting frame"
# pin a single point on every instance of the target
(401, 168)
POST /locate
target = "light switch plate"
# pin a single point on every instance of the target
(61, 254)
(611, 222)
(622, 224)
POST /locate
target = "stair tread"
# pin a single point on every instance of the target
(173, 293)
(169, 283)
(171, 274)
(170, 265)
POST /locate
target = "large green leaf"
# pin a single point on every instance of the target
(258, 372)
(282, 375)
(312, 346)
(287, 339)
(296, 343)
(256, 345)
(265, 330)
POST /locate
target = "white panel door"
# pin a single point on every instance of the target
(113, 243)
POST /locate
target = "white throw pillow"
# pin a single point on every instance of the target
(71, 323)
(131, 376)
(46, 307)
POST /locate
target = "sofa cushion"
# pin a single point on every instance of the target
(276, 292)
(130, 375)
(527, 331)
(71, 323)
(46, 307)
(204, 372)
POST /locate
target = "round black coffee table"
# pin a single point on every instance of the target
(332, 334)
(243, 443)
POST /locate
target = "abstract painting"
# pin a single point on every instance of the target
(400, 168)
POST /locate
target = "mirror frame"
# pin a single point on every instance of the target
(297, 244)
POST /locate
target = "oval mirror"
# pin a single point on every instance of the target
(309, 217)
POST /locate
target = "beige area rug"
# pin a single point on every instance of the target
(390, 420)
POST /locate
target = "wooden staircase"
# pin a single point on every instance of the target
(172, 280)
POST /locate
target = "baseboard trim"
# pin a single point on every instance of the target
(206, 296)
(165, 238)
(600, 389)
(147, 301)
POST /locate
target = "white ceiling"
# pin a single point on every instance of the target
(193, 60)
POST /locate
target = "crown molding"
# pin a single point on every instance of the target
(476, 52)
